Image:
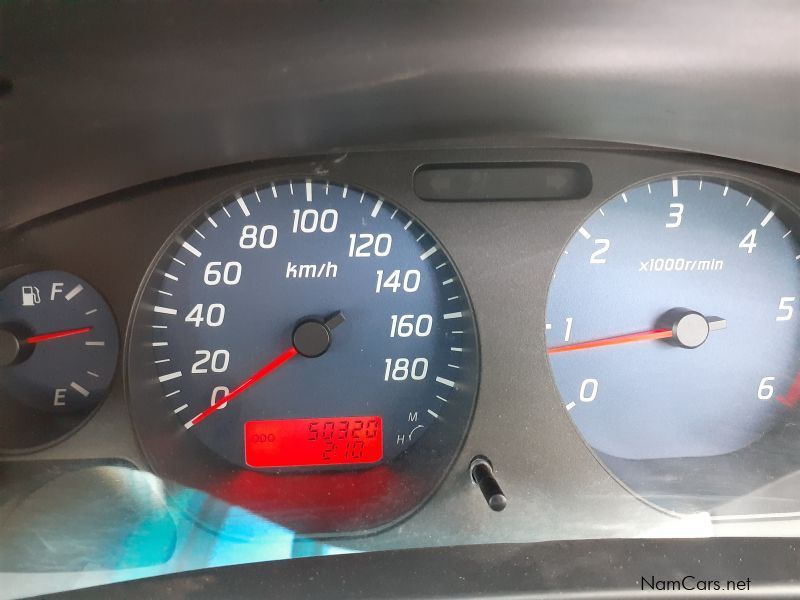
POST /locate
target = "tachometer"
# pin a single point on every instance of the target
(308, 328)
(674, 339)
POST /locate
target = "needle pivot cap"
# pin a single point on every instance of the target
(311, 338)
(690, 329)
(9, 348)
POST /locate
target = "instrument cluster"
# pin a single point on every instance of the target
(370, 348)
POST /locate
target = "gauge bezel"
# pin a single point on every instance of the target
(59, 427)
(386, 494)
(783, 208)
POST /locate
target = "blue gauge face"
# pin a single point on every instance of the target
(307, 325)
(58, 353)
(672, 321)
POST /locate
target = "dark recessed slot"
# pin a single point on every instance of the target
(503, 181)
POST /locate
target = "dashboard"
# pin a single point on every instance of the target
(239, 332)
(274, 349)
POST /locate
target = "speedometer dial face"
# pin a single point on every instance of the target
(674, 339)
(306, 328)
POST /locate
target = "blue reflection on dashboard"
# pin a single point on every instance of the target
(114, 523)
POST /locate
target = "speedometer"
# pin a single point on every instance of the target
(304, 331)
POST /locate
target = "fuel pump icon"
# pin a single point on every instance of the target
(30, 295)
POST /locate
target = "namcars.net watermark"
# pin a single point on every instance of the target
(692, 583)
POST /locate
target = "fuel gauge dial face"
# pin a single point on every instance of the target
(58, 353)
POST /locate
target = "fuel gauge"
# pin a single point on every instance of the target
(58, 353)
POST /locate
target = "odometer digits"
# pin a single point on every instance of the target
(313, 442)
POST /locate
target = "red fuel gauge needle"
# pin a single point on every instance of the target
(55, 335)
(643, 336)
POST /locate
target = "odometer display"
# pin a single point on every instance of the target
(313, 442)
(294, 302)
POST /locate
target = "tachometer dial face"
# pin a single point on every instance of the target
(674, 339)
(307, 328)
(58, 353)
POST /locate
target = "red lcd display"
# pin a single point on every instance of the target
(313, 442)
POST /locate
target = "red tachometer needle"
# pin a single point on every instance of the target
(643, 336)
(285, 356)
(54, 335)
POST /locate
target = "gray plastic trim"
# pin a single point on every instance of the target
(105, 96)
(593, 569)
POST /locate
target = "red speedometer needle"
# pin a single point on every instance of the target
(311, 339)
(54, 335)
(642, 336)
(285, 356)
